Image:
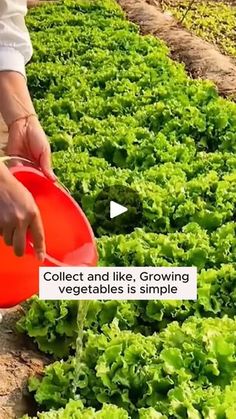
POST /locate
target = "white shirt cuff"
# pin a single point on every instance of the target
(12, 60)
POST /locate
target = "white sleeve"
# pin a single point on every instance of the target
(15, 45)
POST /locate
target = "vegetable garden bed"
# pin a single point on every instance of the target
(118, 110)
(201, 58)
(211, 20)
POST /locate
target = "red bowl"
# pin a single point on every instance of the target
(69, 239)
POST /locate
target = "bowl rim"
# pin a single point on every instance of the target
(57, 184)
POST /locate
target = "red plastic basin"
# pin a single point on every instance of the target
(69, 239)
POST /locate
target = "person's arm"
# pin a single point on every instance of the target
(15, 99)
(15, 44)
(26, 136)
(15, 53)
(18, 210)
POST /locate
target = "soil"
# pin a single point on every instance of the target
(201, 59)
(19, 359)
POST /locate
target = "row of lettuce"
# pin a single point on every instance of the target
(185, 371)
(212, 20)
(118, 111)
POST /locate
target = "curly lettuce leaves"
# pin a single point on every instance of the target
(181, 369)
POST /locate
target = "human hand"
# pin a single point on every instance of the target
(18, 214)
(27, 139)
(26, 136)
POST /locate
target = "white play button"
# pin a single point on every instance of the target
(116, 209)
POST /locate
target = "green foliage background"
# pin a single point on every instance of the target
(117, 110)
(212, 20)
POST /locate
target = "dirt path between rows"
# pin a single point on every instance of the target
(202, 59)
(19, 359)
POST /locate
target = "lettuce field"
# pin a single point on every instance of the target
(118, 110)
(212, 20)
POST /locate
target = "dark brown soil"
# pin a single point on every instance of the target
(202, 59)
(19, 359)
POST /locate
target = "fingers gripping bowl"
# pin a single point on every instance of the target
(68, 235)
